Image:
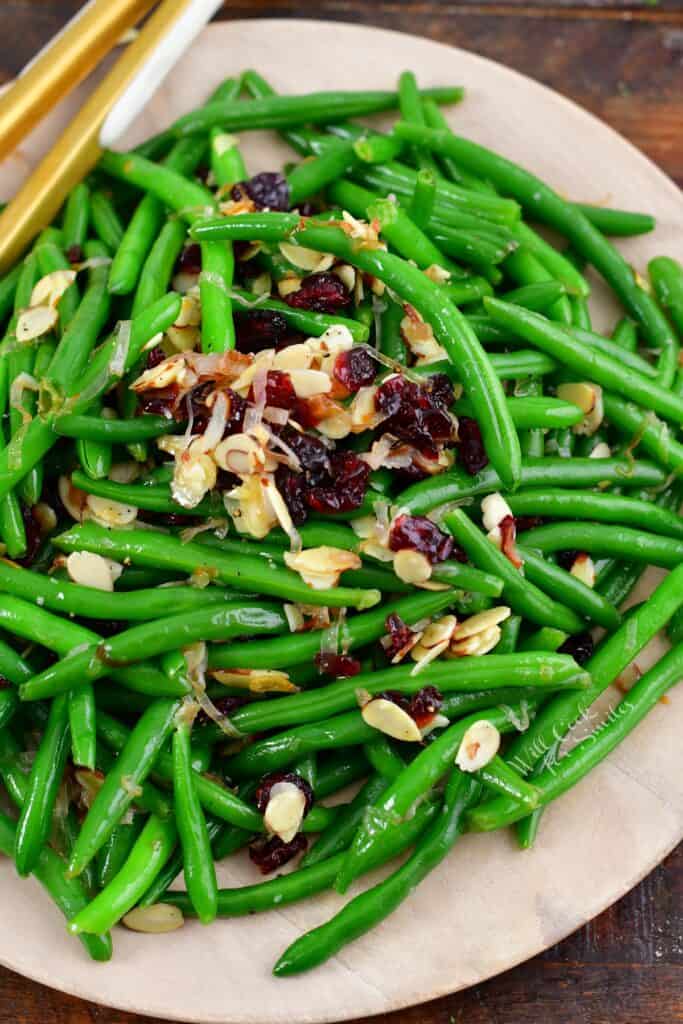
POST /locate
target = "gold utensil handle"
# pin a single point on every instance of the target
(78, 149)
(63, 64)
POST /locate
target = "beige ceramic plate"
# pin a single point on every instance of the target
(489, 906)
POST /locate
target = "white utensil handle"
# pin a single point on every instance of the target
(179, 38)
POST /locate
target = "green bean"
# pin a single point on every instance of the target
(50, 255)
(187, 198)
(413, 783)
(538, 671)
(644, 429)
(149, 854)
(307, 321)
(200, 873)
(383, 758)
(557, 779)
(625, 334)
(539, 296)
(150, 497)
(610, 541)
(76, 219)
(526, 828)
(467, 291)
(82, 726)
(435, 119)
(619, 581)
(173, 867)
(313, 174)
(106, 221)
(410, 107)
(33, 827)
(573, 592)
(555, 264)
(341, 832)
(95, 457)
(601, 506)
(216, 799)
(526, 269)
(544, 205)
(118, 789)
(675, 628)
(666, 275)
(523, 596)
(215, 282)
(531, 411)
(611, 658)
(614, 350)
(151, 639)
(306, 882)
(227, 164)
(286, 111)
(111, 431)
(116, 850)
(165, 552)
(360, 630)
(424, 196)
(617, 223)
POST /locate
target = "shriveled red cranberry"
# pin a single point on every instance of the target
(267, 190)
(420, 534)
(441, 389)
(257, 329)
(263, 790)
(424, 705)
(5, 683)
(567, 558)
(339, 666)
(399, 636)
(471, 452)
(348, 483)
(311, 453)
(271, 854)
(292, 487)
(280, 390)
(579, 646)
(321, 293)
(355, 369)
(33, 536)
(523, 523)
(190, 260)
(155, 356)
(414, 413)
(74, 254)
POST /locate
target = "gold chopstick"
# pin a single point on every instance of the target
(63, 64)
(78, 149)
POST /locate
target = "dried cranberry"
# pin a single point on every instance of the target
(266, 784)
(346, 489)
(580, 647)
(321, 293)
(268, 190)
(155, 356)
(399, 637)
(271, 854)
(202, 173)
(190, 260)
(523, 523)
(420, 534)
(280, 390)
(415, 413)
(471, 452)
(567, 558)
(33, 536)
(441, 390)
(355, 369)
(312, 454)
(74, 254)
(339, 666)
(258, 329)
(424, 705)
(308, 209)
(5, 683)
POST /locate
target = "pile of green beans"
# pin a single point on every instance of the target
(177, 665)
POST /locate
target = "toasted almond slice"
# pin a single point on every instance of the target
(477, 645)
(307, 383)
(242, 454)
(481, 622)
(412, 566)
(190, 312)
(257, 680)
(45, 516)
(334, 340)
(347, 275)
(194, 475)
(437, 274)
(183, 339)
(251, 512)
(155, 919)
(285, 810)
(73, 500)
(601, 451)
(479, 745)
(124, 472)
(583, 569)
(422, 656)
(287, 285)
(110, 513)
(35, 322)
(336, 426)
(310, 260)
(437, 632)
(437, 722)
(49, 289)
(494, 508)
(295, 618)
(389, 718)
(588, 397)
(321, 567)
(91, 570)
(293, 357)
(364, 412)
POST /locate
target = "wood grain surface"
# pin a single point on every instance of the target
(624, 62)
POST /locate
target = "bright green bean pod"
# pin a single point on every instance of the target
(424, 196)
(600, 506)
(76, 219)
(532, 411)
(116, 850)
(215, 283)
(82, 726)
(573, 592)
(617, 223)
(106, 221)
(200, 873)
(187, 198)
(610, 541)
(112, 431)
(625, 334)
(50, 255)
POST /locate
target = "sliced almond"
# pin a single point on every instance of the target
(91, 570)
(155, 919)
(73, 500)
(193, 477)
(437, 274)
(321, 567)
(346, 274)
(583, 569)
(481, 622)
(45, 516)
(601, 451)
(293, 357)
(436, 632)
(494, 508)
(256, 680)
(49, 289)
(307, 383)
(389, 718)
(334, 340)
(310, 260)
(242, 454)
(588, 397)
(422, 656)
(287, 285)
(183, 339)
(35, 322)
(124, 472)
(336, 426)
(250, 509)
(285, 810)
(477, 645)
(190, 312)
(412, 566)
(479, 745)
(364, 412)
(110, 513)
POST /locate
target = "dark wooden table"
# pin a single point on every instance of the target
(624, 62)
